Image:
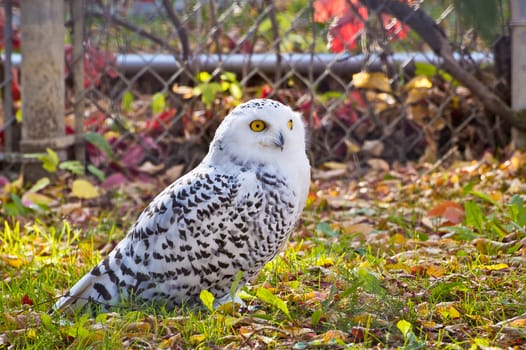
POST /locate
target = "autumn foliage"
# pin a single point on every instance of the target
(348, 20)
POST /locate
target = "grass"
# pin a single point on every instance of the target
(367, 267)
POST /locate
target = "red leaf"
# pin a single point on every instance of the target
(160, 122)
(134, 155)
(451, 211)
(346, 25)
(358, 334)
(97, 63)
(114, 180)
(266, 90)
(345, 30)
(324, 10)
(26, 300)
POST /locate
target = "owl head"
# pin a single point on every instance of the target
(262, 131)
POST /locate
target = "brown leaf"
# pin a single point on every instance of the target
(332, 335)
(378, 164)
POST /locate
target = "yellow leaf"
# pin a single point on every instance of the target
(448, 310)
(14, 261)
(419, 82)
(325, 261)
(494, 267)
(351, 146)
(375, 81)
(230, 308)
(171, 342)
(422, 309)
(245, 331)
(363, 318)
(497, 196)
(197, 338)
(333, 335)
(397, 266)
(31, 334)
(429, 324)
(37, 198)
(140, 326)
(15, 186)
(380, 101)
(416, 95)
(435, 271)
(108, 135)
(310, 297)
(334, 165)
(84, 189)
(398, 238)
(520, 323)
(453, 312)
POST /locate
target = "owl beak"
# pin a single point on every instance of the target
(280, 141)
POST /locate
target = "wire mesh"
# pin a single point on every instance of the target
(160, 75)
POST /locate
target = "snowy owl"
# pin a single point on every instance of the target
(234, 212)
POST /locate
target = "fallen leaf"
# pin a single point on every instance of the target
(378, 164)
(334, 165)
(448, 210)
(418, 82)
(150, 168)
(14, 261)
(422, 309)
(84, 189)
(37, 198)
(26, 300)
(399, 238)
(447, 310)
(414, 96)
(333, 335)
(519, 322)
(373, 147)
(374, 80)
(114, 180)
(197, 338)
(186, 91)
(435, 271)
(494, 267)
(357, 228)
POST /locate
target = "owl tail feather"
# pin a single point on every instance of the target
(95, 288)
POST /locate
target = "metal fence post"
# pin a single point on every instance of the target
(43, 86)
(12, 130)
(518, 69)
(77, 14)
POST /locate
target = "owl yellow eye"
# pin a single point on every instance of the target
(289, 124)
(257, 125)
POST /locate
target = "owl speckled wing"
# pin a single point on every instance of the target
(232, 213)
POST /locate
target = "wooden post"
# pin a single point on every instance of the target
(518, 65)
(43, 86)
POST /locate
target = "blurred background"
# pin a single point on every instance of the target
(145, 83)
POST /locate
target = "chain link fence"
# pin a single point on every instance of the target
(159, 76)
